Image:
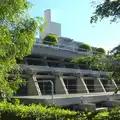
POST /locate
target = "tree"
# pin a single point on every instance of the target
(50, 39)
(111, 61)
(85, 47)
(91, 62)
(107, 9)
(17, 36)
(110, 9)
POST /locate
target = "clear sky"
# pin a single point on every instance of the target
(74, 16)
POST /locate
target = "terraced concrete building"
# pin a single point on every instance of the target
(70, 80)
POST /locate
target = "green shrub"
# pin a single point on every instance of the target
(113, 114)
(11, 111)
(100, 51)
(85, 47)
(50, 39)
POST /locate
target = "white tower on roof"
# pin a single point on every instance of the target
(51, 27)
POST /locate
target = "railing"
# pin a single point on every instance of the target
(66, 47)
(41, 81)
(52, 87)
(72, 88)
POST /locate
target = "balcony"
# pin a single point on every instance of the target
(58, 51)
(32, 69)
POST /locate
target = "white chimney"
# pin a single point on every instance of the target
(47, 15)
(51, 27)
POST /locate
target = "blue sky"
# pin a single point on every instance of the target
(74, 16)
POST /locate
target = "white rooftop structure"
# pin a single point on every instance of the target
(51, 27)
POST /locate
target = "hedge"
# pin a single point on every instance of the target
(9, 111)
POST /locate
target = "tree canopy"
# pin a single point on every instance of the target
(50, 39)
(17, 36)
(109, 63)
(107, 9)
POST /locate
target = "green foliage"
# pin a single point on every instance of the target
(116, 51)
(102, 116)
(50, 39)
(15, 101)
(114, 56)
(17, 36)
(100, 51)
(85, 47)
(114, 114)
(107, 9)
(36, 112)
(10, 111)
(107, 63)
(92, 62)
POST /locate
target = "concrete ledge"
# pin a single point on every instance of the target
(63, 100)
(32, 68)
(55, 51)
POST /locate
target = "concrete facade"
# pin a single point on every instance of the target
(60, 87)
(72, 82)
(64, 100)
(52, 51)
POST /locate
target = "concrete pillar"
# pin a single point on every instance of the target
(113, 86)
(60, 87)
(81, 86)
(33, 87)
(98, 86)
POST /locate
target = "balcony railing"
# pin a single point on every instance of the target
(65, 47)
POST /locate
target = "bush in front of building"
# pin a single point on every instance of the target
(9, 111)
(51, 40)
(85, 47)
(16, 111)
